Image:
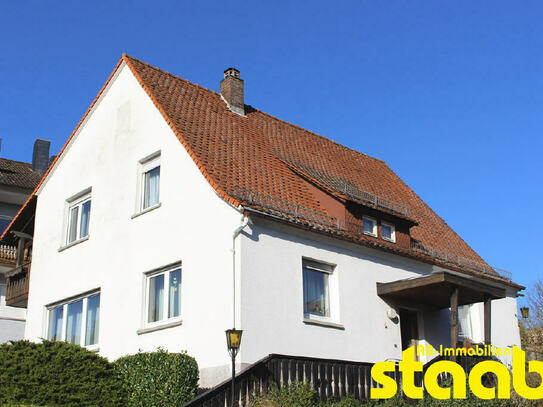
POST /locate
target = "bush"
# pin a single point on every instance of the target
(158, 378)
(295, 395)
(56, 374)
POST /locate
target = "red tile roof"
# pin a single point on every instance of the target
(260, 162)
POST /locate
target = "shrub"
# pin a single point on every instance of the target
(295, 395)
(158, 378)
(56, 374)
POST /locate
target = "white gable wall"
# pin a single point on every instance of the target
(193, 225)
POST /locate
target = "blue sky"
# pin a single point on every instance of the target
(449, 94)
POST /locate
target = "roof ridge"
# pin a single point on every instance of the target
(156, 68)
(316, 134)
(16, 161)
(258, 110)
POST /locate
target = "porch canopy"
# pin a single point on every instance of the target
(444, 290)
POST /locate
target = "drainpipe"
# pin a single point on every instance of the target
(244, 222)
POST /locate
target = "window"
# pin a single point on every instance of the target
(150, 182)
(388, 232)
(464, 319)
(163, 296)
(76, 321)
(369, 226)
(78, 218)
(316, 289)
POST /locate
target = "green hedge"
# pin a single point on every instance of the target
(56, 374)
(158, 378)
(303, 395)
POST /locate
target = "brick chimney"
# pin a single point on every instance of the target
(232, 91)
(40, 156)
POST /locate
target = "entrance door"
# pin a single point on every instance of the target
(409, 328)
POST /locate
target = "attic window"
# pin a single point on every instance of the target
(388, 232)
(369, 226)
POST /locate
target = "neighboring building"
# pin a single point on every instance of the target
(17, 181)
(337, 257)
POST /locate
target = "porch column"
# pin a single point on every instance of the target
(488, 317)
(454, 318)
(20, 253)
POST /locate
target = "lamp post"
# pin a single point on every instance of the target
(233, 341)
(525, 312)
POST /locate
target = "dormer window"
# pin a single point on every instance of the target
(388, 232)
(369, 226)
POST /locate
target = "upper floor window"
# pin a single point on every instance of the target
(369, 226)
(76, 321)
(150, 181)
(163, 295)
(78, 217)
(388, 232)
(316, 288)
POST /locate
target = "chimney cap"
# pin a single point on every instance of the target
(231, 72)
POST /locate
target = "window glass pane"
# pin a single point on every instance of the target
(315, 293)
(386, 232)
(73, 322)
(54, 333)
(156, 298)
(4, 223)
(151, 187)
(72, 230)
(93, 320)
(368, 225)
(85, 214)
(464, 319)
(174, 306)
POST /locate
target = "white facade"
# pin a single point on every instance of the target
(194, 226)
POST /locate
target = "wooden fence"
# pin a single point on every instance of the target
(331, 379)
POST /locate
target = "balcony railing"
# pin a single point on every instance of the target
(17, 286)
(8, 253)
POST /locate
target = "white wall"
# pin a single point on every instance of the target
(12, 319)
(272, 297)
(193, 225)
(272, 300)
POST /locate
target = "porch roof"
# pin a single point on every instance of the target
(434, 290)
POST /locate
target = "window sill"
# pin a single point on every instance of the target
(149, 209)
(320, 322)
(159, 327)
(73, 243)
(389, 240)
(92, 348)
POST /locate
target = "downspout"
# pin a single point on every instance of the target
(244, 222)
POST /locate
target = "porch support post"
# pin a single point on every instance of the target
(20, 253)
(488, 318)
(454, 318)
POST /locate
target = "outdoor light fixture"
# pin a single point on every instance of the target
(233, 341)
(525, 311)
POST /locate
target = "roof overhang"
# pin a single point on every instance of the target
(434, 290)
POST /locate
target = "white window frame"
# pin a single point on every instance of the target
(329, 270)
(165, 302)
(147, 164)
(76, 201)
(374, 233)
(64, 304)
(392, 234)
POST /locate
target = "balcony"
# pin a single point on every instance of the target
(17, 286)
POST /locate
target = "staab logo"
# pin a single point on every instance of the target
(408, 366)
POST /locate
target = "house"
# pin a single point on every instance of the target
(174, 212)
(17, 181)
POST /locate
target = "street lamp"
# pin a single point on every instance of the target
(233, 341)
(525, 311)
